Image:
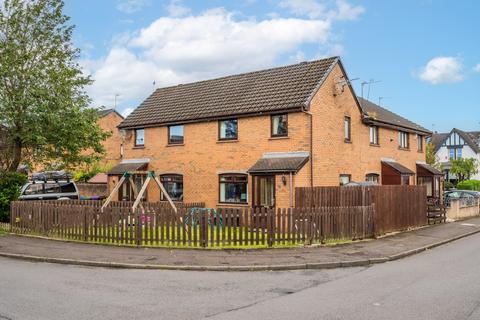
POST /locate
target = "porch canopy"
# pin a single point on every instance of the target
(399, 168)
(425, 169)
(129, 166)
(280, 162)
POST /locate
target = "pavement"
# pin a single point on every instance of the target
(361, 253)
(438, 284)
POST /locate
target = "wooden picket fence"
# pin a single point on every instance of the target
(396, 207)
(191, 226)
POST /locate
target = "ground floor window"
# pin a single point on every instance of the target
(173, 183)
(372, 177)
(405, 180)
(233, 188)
(345, 178)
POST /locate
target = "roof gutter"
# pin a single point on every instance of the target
(368, 120)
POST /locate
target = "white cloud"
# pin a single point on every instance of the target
(348, 12)
(131, 6)
(442, 70)
(477, 68)
(176, 9)
(315, 9)
(127, 111)
(183, 49)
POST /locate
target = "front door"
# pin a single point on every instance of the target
(264, 191)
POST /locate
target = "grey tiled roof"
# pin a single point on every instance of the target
(438, 139)
(264, 91)
(285, 164)
(472, 139)
(399, 167)
(383, 115)
(105, 112)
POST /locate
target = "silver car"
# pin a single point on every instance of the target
(50, 190)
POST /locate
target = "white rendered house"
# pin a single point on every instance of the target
(456, 144)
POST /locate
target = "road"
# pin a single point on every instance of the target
(443, 283)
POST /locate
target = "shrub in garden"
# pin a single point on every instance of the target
(469, 185)
(10, 185)
(448, 185)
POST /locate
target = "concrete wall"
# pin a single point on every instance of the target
(456, 211)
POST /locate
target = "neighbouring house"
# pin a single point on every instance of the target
(454, 145)
(109, 121)
(250, 139)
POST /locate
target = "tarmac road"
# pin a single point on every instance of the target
(443, 283)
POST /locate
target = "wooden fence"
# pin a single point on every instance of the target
(157, 225)
(396, 207)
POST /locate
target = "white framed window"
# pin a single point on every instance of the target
(374, 135)
(372, 177)
(139, 137)
(345, 178)
(403, 138)
(347, 128)
(419, 142)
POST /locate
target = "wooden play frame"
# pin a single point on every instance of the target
(138, 195)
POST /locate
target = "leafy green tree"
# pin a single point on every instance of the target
(10, 184)
(464, 168)
(431, 157)
(43, 105)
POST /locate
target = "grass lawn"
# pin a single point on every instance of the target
(228, 238)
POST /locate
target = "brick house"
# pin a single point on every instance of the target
(250, 139)
(109, 120)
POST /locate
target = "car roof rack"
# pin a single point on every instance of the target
(51, 176)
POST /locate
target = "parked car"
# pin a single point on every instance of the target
(469, 195)
(54, 185)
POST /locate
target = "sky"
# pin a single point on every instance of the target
(421, 57)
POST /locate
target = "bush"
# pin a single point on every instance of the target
(469, 185)
(10, 185)
(448, 185)
(85, 175)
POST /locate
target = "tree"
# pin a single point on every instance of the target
(43, 105)
(431, 157)
(464, 168)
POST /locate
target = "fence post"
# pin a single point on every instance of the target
(138, 228)
(85, 226)
(269, 226)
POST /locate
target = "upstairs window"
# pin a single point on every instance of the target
(347, 129)
(279, 124)
(173, 184)
(175, 134)
(419, 142)
(228, 129)
(233, 188)
(139, 137)
(374, 135)
(403, 138)
(454, 153)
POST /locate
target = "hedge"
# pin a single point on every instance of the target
(469, 185)
(10, 184)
